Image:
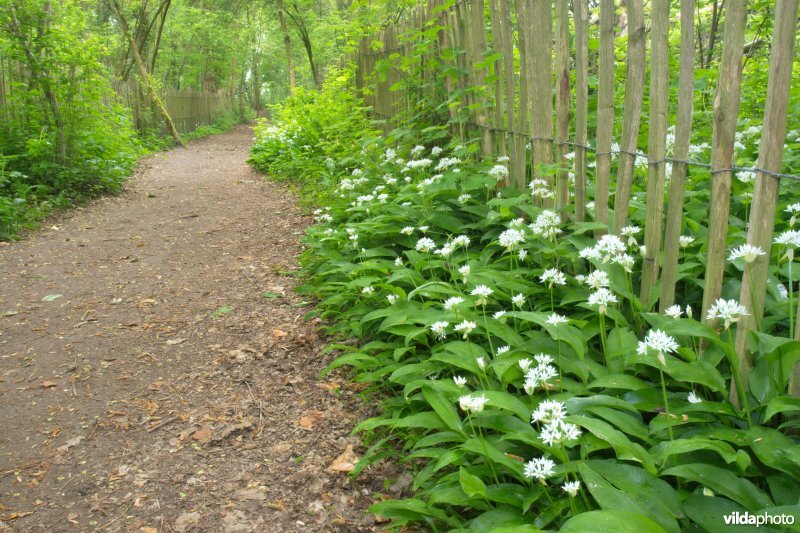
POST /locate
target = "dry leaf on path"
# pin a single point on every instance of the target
(203, 435)
(277, 333)
(345, 462)
(173, 342)
(47, 384)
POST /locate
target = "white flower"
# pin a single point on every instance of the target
(546, 224)
(503, 159)
(728, 310)
(571, 488)
(540, 188)
(609, 246)
(466, 326)
(425, 245)
(673, 311)
(549, 411)
(659, 342)
(783, 292)
(482, 292)
(398, 262)
(556, 320)
(408, 230)
(460, 381)
(503, 349)
(790, 239)
(518, 300)
(461, 240)
(689, 311)
(685, 240)
(439, 329)
(525, 364)
(539, 468)
(436, 150)
(418, 149)
(452, 302)
(629, 231)
(447, 162)
(590, 252)
(498, 315)
(625, 260)
(464, 271)
(498, 172)
(553, 277)
(597, 280)
(464, 198)
(522, 254)
(693, 398)
(392, 298)
(746, 251)
(602, 298)
(481, 362)
(423, 229)
(474, 404)
(558, 432)
(511, 237)
(367, 290)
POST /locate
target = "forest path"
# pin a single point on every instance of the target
(173, 384)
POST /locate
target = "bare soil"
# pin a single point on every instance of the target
(156, 369)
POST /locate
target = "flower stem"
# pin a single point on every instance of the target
(666, 403)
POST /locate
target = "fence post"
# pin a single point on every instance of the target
(605, 112)
(680, 151)
(562, 104)
(726, 115)
(541, 20)
(580, 12)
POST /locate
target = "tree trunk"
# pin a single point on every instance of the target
(605, 112)
(580, 11)
(144, 75)
(287, 43)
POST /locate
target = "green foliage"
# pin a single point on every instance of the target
(316, 135)
(412, 229)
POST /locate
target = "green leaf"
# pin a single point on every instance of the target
(663, 450)
(608, 521)
(775, 449)
(470, 484)
(781, 404)
(625, 449)
(723, 482)
(444, 408)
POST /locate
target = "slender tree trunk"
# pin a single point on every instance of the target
(765, 196)
(145, 76)
(562, 105)
(541, 19)
(680, 151)
(726, 115)
(632, 112)
(287, 43)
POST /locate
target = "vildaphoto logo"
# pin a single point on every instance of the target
(747, 519)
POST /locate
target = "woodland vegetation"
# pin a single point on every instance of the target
(556, 239)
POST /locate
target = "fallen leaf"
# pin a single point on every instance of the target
(309, 421)
(14, 516)
(277, 504)
(256, 494)
(47, 384)
(148, 529)
(10, 313)
(277, 333)
(71, 443)
(173, 342)
(186, 521)
(52, 297)
(346, 462)
(203, 434)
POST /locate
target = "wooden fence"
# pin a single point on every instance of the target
(507, 84)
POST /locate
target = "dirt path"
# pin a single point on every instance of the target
(170, 382)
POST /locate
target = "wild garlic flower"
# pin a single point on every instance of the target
(629, 231)
(503, 159)
(524, 364)
(466, 327)
(538, 376)
(473, 404)
(498, 172)
(791, 240)
(673, 311)
(425, 245)
(546, 224)
(540, 189)
(552, 277)
(481, 362)
(730, 311)
(590, 252)
(464, 271)
(685, 240)
(543, 359)
(518, 300)
(659, 342)
(510, 238)
(746, 251)
(503, 349)
(461, 240)
(367, 290)
(549, 411)
(625, 261)
(436, 150)
(498, 315)
(558, 432)
(692, 397)
(597, 279)
(689, 311)
(398, 262)
(610, 246)
(447, 162)
(556, 320)
(794, 210)
(452, 302)
(517, 222)
(460, 381)
(539, 468)
(571, 488)
(424, 229)
(464, 198)
(482, 292)
(522, 254)
(392, 298)
(418, 149)
(439, 329)
(445, 250)
(408, 230)
(602, 298)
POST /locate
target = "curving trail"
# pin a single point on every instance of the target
(173, 384)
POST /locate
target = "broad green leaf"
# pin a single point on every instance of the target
(775, 449)
(781, 404)
(470, 484)
(709, 513)
(444, 408)
(663, 450)
(626, 450)
(724, 482)
(608, 521)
